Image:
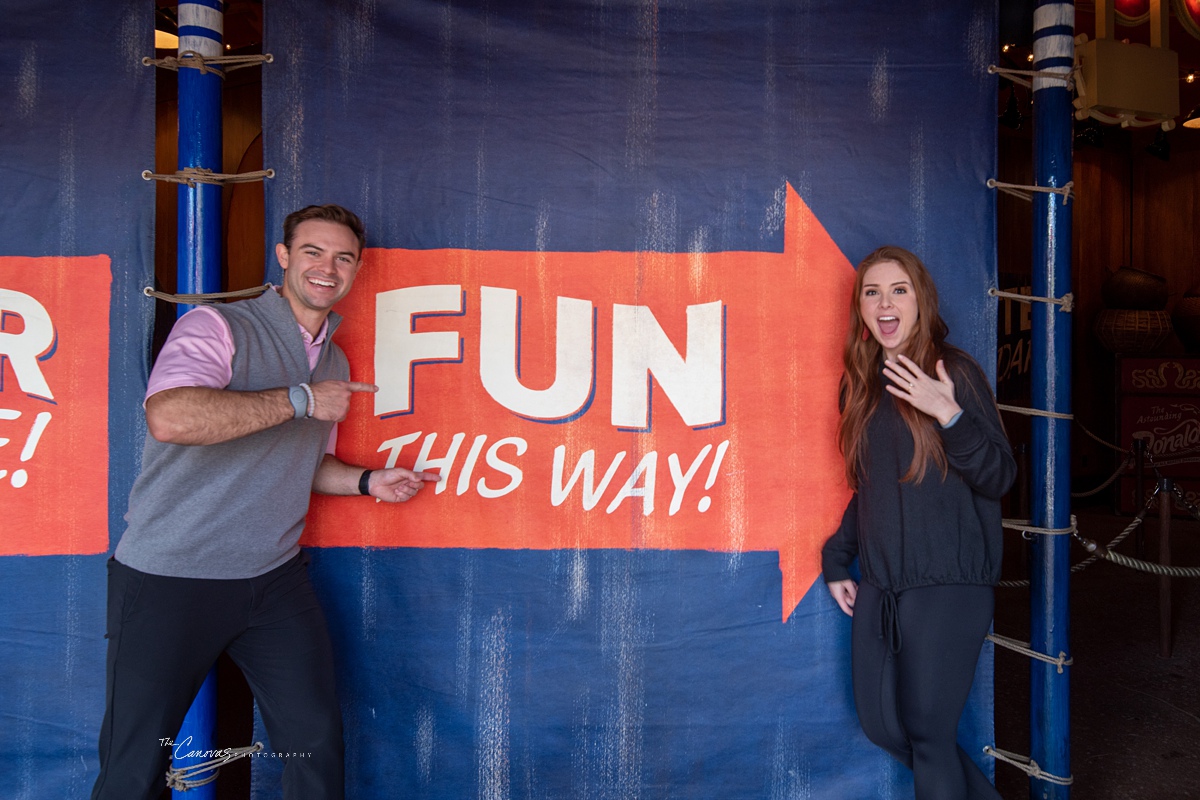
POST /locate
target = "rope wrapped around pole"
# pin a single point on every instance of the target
(1028, 766)
(1023, 647)
(190, 59)
(184, 778)
(191, 176)
(206, 297)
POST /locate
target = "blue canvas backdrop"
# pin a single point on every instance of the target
(581, 126)
(77, 130)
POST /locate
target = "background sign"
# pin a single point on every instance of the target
(75, 253)
(605, 295)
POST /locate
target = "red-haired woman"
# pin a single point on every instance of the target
(927, 457)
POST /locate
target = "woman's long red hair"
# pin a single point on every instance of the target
(862, 383)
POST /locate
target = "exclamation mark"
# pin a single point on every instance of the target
(7, 414)
(21, 477)
(706, 502)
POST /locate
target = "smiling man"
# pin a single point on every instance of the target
(241, 408)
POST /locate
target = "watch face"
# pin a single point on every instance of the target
(299, 399)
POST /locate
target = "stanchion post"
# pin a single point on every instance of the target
(201, 29)
(1139, 488)
(1165, 497)
(1053, 60)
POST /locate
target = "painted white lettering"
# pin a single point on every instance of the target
(586, 467)
(464, 477)
(396, 445)
(648, 466)
(23, 349)
(398, 348)
(444, 464)
(693, 383)
(8, 414)
(499, 347)
(682, 479)
(495, 462)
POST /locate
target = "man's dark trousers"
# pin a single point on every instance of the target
(165, 634)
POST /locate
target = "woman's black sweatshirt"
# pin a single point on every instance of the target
(937, 531)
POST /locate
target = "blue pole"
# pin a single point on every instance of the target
(200, 31)
(1054, 52)
(201, 26)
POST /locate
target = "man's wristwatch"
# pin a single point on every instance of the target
(299, 400)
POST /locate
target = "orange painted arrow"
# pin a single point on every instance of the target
(673, 401)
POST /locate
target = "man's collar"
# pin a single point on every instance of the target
(322, 332)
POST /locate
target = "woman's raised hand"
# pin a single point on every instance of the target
(933, 396)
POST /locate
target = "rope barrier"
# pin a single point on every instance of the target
(1035, 412)
(1024, 648)
(1012, 75)
(1025, 191)
(194, 175)
(1116, 540)
(1120, 537)
(1067, 301)
(183, 778)
(1098, 551)
(1027, 765)
(211, 297)
(1139, 565)
(1102, 441)
(190, 59)
(1111, 479)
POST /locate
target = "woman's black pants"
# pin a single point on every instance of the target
(914, 655)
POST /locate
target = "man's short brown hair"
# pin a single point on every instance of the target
(329, 213)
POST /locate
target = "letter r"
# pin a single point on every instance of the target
(23, 348)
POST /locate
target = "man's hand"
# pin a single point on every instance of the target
(332, 398)
(396, 485)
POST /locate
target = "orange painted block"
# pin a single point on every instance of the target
(54, 405)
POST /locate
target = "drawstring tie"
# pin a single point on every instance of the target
(889, 622)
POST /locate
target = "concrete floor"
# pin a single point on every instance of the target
(1135, 716)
